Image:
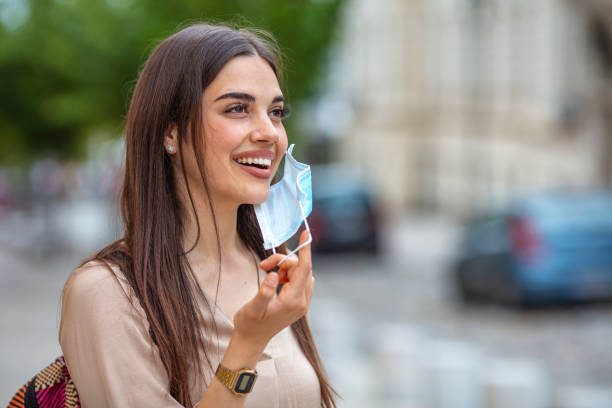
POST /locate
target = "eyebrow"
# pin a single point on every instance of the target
(246, 97)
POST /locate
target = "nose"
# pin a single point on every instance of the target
(264, 130)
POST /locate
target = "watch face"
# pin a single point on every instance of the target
(244, 383)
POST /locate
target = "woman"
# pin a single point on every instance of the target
(168, 315)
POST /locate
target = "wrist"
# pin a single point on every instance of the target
(242, 352)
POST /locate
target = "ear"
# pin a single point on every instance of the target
(171, 140)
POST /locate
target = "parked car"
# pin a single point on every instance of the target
(345, 215)
(546, 248)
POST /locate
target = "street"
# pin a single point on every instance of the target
(556, 356)
(390, 329)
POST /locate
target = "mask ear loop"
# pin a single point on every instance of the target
(304, 243)
(307, 229)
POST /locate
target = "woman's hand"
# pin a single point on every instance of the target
(268, 313)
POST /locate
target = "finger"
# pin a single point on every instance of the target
(303, 271)
(266, 293)
(310, 288)
(284, 270)
(283, 276)
(270, 262)
(304, 253)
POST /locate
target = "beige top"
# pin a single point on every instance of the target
(113, 362)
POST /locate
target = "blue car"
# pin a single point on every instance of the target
(547, 248)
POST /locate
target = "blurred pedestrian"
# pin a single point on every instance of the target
(180, 311)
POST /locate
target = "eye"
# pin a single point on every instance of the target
(240, 108)
(280, 113)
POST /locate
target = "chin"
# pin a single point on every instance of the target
(259, 201)
(257, 197)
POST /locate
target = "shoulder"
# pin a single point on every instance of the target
(97, 284)
(97, 300)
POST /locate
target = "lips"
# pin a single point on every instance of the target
(261, 153)
(256, 162)
(257, 172)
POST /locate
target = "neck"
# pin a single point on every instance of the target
(221, 229)
(218, 239)
(205, 248)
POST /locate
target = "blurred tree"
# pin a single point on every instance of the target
(67, 67)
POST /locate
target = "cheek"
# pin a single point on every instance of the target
(219, 142)
(214, 134)
(282, 142)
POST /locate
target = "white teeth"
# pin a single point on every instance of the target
(255, 160)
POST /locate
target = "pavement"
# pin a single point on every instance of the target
(30, 293)
(390, 329)
(402, 319)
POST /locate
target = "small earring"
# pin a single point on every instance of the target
(170, 149)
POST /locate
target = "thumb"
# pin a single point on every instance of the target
(265, 294)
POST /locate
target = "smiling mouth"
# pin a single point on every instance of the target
(259, 163)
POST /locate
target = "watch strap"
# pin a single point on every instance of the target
(229, 378)
(226, 376)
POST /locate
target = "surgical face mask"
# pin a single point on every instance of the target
(289, 203)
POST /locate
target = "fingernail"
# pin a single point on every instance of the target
(271, 280)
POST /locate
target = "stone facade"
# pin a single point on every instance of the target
(462, 104)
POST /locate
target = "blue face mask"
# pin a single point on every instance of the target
(289, 203)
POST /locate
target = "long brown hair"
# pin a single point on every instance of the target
(150, 255)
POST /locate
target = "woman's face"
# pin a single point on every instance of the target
(245, 139)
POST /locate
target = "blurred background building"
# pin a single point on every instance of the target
(460, 105)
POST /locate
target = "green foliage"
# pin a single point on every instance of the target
(68, 69)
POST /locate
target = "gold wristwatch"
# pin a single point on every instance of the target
(240, 382)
